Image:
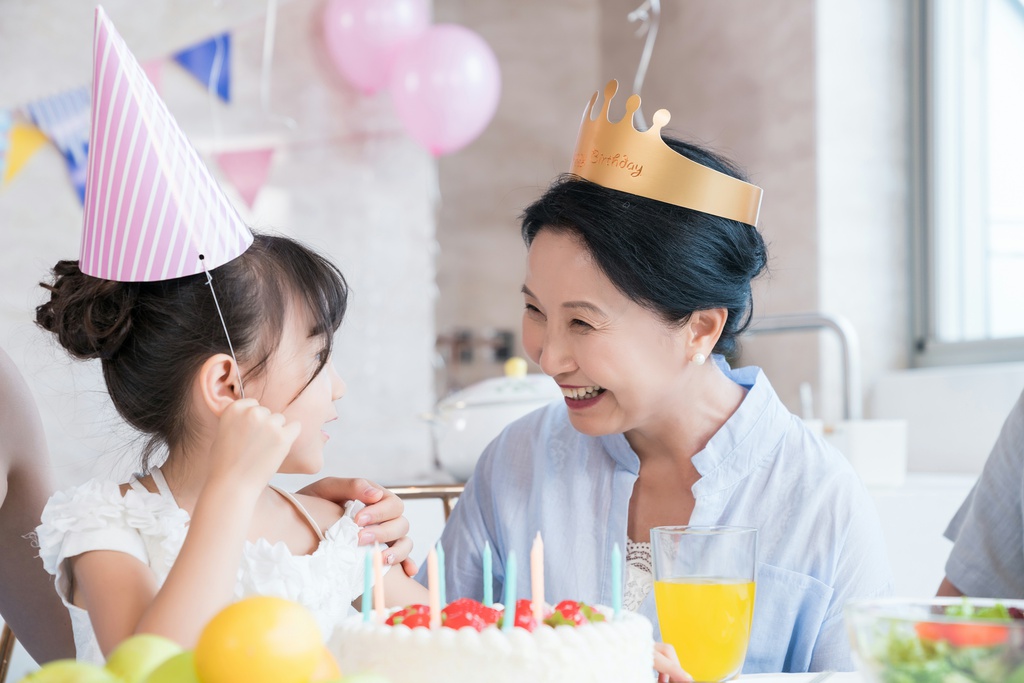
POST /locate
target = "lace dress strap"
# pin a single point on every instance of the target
(161, 483)
(298, 506)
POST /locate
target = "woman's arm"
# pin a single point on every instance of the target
(28, 601)
(381, 519)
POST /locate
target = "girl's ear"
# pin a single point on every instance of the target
(218, 383)
(705, 329)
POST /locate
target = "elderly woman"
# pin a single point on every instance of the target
(637, 284)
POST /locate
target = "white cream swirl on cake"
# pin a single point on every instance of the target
(617, 650)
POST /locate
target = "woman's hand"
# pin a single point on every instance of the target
(251, 443)
(381, 519)
(666, 663)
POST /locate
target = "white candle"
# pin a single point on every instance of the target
(378, 584)
(537, 577)
(434, 594)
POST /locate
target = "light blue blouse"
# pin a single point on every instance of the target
(819, 538)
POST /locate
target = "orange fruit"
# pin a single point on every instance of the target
(326, 669)
(259, 640)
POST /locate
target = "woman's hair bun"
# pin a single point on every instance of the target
(90, 317)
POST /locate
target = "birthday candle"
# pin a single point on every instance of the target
(434, 597)
(488, 576)
(367, 584)
(616, 580)
(440, 574)
(537, 577)
(378, 583)
(510, 593)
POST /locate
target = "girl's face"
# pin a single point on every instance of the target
(296, 358)
(619, 365)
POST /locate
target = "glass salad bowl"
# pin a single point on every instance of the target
(941, 640)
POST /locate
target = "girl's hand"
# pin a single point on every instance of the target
(251, 442)
(666, 663)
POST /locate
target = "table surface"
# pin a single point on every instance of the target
(803, 678)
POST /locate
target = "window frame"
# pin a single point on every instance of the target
(928, 350)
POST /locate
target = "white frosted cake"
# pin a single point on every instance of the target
(612, 651)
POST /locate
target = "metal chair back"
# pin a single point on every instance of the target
(448, 494)
(7, 641)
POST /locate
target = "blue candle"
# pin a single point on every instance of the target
(509, 618)
(488, 576)
(367, 585)
(440, 574)
(616, 580)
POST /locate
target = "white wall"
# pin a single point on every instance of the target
(863, 202)
(346, 180)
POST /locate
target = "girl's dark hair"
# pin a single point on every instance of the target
(667, 258)
(152, 337)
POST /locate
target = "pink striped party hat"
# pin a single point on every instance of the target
(152, 209)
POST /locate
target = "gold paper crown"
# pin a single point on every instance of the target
(619, 157)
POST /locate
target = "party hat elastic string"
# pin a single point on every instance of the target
(231, 348)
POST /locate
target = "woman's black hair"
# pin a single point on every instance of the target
(152, 337)
(669, 259)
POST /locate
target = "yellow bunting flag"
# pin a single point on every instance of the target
(24, 141)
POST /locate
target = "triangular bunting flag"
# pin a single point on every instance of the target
(64, 118)
(6, 121)
(210, 62)
(22, 142)
(246, 170)
(152, 209)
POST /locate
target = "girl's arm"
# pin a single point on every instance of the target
(401, 590)
(121, 598)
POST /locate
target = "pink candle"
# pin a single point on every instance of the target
(432, 589)
(537, 577)
(378, 584)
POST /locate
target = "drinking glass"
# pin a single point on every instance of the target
(704, 591)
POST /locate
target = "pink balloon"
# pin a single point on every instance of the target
(445, 84)
(363, 36)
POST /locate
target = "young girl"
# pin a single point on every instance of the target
(167, 550)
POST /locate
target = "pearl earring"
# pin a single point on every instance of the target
(699, 358)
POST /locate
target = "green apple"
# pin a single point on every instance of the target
(137, 656)
(70, 671)
(181, 668)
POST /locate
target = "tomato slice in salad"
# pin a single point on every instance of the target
(964, 635)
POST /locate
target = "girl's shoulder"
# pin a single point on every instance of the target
(325, 513)
(99, 515)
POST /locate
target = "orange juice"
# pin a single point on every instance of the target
(707, 621)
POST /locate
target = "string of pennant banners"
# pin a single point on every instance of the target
(63, 119)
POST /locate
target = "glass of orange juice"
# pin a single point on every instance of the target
(704, 591)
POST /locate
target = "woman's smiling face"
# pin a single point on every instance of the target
(618, 364)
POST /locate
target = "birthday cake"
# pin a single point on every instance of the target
(574, 642)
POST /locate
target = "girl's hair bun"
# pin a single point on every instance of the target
(91, 317)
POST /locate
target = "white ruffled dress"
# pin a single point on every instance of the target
(151, 527)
